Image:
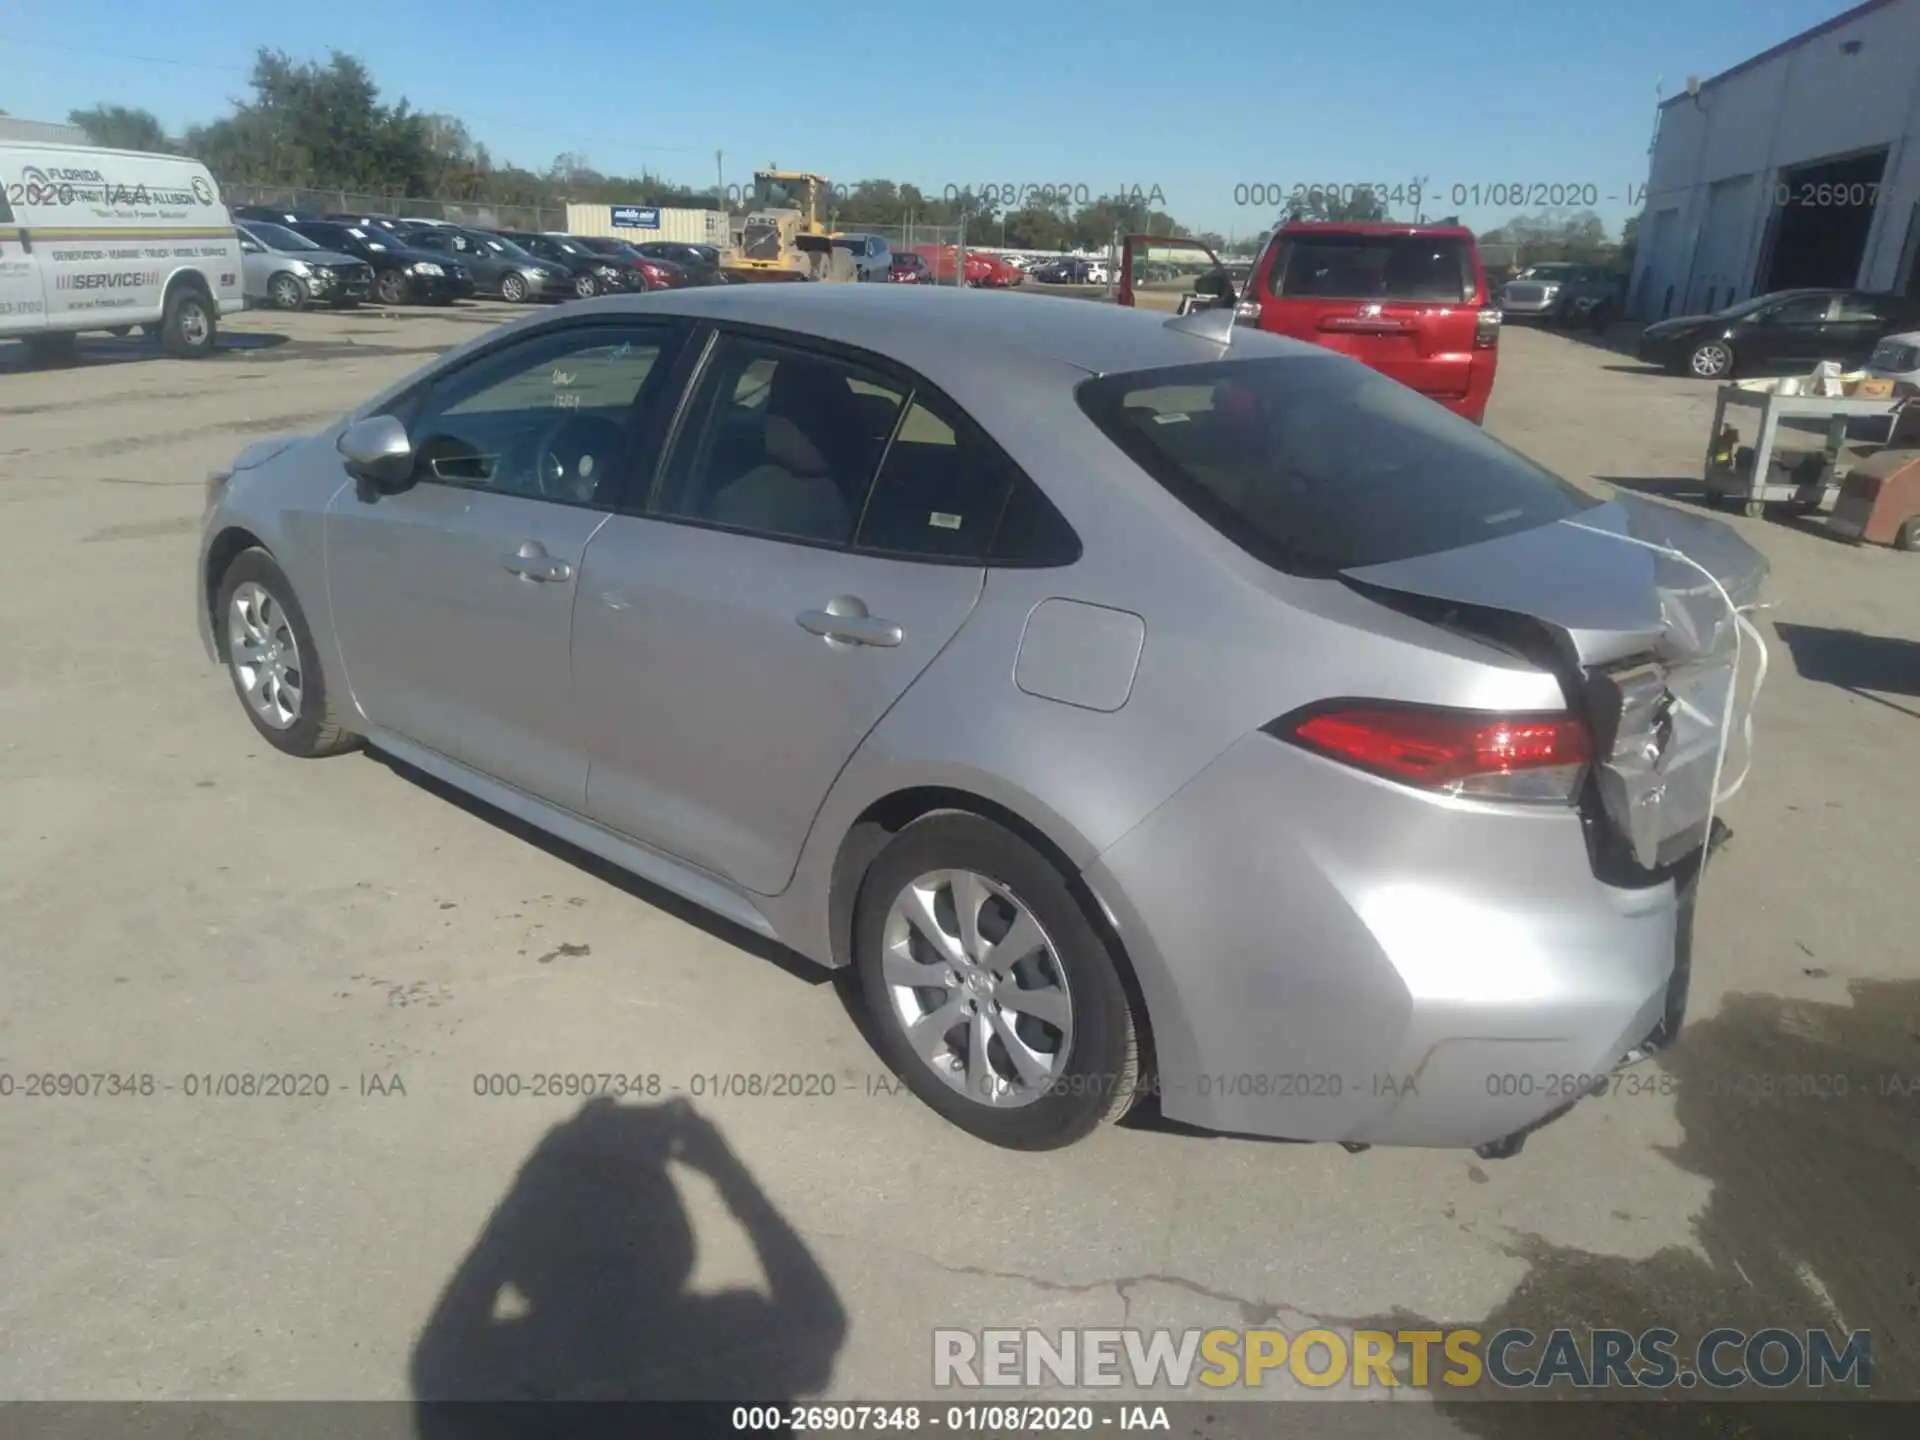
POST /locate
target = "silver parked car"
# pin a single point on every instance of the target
(283, 268)
(872, 256)
(1140, 706)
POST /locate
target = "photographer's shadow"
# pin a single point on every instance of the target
(576, 1290)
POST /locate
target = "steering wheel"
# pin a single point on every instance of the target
(574, 455)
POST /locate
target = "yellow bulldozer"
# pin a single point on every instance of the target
(784, 235)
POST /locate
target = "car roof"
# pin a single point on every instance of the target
(1372, 227)
(939, 332)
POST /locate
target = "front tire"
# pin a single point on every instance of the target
(189, 326)
(992, 995)
(273, 661)
(1711, 361)
(513, 289)
(287, 293)
(586, 287)
(391, 287)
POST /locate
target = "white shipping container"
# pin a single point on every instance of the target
(689, 227)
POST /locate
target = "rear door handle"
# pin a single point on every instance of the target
(531, 562)
(846, 620)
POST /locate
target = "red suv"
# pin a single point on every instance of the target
(1411, 301)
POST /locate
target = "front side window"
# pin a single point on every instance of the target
(1316, 465)
(780, 442)
(1807, 310)
(546, 418)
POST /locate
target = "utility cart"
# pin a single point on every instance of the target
(1749, 475)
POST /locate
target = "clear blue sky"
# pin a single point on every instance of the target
(1193, 99)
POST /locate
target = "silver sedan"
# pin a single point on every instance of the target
(1145, 709)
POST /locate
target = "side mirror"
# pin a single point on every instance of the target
(378, 450)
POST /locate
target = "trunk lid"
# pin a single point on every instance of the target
(1644, 641)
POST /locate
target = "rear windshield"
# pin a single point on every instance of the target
(1318, 464)
(1374, 267)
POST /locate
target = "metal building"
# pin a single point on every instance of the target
(1800, 166)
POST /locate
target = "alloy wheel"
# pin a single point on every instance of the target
(264, 655)
(513, 289)
(977, 988)
(586, 287)
(1711, 361)
(287, 292)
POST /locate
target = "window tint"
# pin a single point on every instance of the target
(938, 494)
(1808, 310)
(1318, 465)
(546, 418)
(780, 442)
(1374, 267)
(1031, 531)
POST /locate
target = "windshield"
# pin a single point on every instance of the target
(1376, 267)
(278, 237)
(1316, 465)
(1546, 272)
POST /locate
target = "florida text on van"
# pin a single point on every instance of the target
(110, 239)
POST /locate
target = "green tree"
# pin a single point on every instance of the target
(117, 127)
(319, 125)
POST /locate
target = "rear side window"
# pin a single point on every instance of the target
(1373, 267)
(1319, 464)
(939, 492)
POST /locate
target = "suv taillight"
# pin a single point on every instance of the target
(1469, 753)
(1486, 329)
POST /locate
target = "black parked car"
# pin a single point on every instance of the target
(499, 267)
(1787, 330)
(1068, 270)
(660, 271)
(401, 274)
(701, 262)
(592, 274)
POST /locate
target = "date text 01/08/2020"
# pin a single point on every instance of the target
(1276, 194)
(1019, 195)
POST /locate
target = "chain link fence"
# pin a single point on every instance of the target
(484, 214)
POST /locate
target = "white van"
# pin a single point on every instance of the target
(109, 239)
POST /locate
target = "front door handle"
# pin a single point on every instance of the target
(846, 620)
(531, 562)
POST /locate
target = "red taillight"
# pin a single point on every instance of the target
(1486, 330)
(1460, 752)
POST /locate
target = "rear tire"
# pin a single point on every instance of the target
(190, 324)
(272, 660)
(1080, 1041)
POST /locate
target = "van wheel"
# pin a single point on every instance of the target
(188, 326)
(991, 994)
(59, 348)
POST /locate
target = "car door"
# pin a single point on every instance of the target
(453, 596)
(736, 641)
(1790, 333)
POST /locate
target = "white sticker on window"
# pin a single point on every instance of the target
(1171, 417)
(940, 520)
